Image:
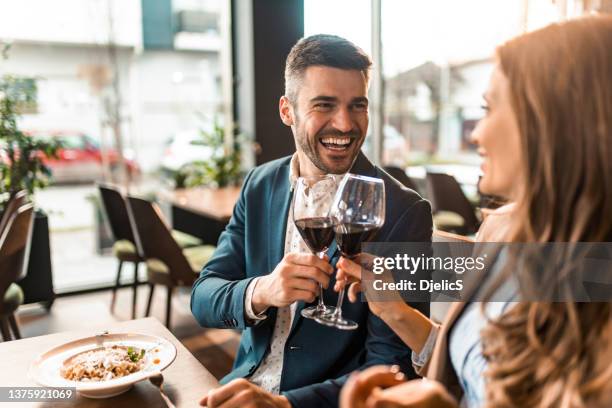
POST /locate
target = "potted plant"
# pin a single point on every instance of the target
(221, 169)
(22, 167)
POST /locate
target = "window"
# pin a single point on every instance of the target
(138, 72)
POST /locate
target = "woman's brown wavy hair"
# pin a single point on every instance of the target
(544, 354)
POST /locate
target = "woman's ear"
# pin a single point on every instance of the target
(285, 110)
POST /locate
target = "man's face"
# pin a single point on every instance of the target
(330, 120)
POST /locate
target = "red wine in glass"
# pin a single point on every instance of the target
(350, 236)
(312, 198)
(358, 212)
(317, 232)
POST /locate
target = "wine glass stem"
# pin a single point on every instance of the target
(337, 315)
(321, 303)
(338, 312)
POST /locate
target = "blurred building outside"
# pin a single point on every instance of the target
(142, 69)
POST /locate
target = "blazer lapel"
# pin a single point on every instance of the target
(439, 357)
(276, 224)
(363, 166)
(278, 203)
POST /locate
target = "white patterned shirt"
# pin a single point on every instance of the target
(268, 374)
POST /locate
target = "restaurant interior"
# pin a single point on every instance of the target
(129, 128)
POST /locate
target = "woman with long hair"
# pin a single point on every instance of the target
(546, 144)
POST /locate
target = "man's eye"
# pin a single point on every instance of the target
(323, 106)
(485, 108)
(360, 107)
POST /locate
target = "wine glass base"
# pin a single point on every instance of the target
(313, 312)
(337, 322)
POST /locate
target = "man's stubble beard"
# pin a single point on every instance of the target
(302, 141)
(310, 151)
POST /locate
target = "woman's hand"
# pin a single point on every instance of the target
(360, 385)
(408, 323)
(387, 305)
(383, 387)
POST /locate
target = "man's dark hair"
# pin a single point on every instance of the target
(323, 50)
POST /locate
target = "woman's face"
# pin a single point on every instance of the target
(498, 140)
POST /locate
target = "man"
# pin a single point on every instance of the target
(257, 282)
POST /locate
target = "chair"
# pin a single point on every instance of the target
(14, 252)
(451, 208)
(14, 202)
(167, 264)
(401, 176)
(124, 247)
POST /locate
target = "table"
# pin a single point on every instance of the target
(215, 203)
(186, 381)
(201, 212)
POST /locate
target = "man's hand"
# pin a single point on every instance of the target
(296, 277)
(240, 393)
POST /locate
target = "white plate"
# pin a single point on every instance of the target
(45, 370)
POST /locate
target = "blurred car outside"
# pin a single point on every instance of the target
(80, 160)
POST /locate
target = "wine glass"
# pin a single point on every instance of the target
(312, 198)
(358, 212)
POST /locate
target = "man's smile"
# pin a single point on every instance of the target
(336, 144)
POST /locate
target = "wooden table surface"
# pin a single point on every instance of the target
(186, 381)
(215, 203)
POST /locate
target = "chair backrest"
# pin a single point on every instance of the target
(116, 213)
(401, 176)
(445, 194)
(14, 202)
(14, 245)
(155, 241)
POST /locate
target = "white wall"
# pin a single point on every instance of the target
(71, 21)
(65, 98)
(172, 87)
(161, 90)
(469, 94)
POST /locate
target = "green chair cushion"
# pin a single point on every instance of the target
(13, 298)
(159, 273)
(448, 219)
(185, 240)
(125, 251)
(198, 256)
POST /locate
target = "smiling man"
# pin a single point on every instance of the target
(262, 274)
(328, 116)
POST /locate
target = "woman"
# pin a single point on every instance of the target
(546, 143)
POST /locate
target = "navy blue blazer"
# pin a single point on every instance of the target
(316, 358)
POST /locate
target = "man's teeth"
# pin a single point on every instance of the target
(340, 141)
